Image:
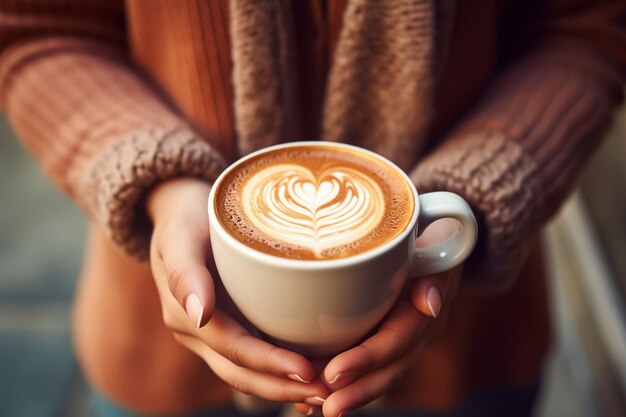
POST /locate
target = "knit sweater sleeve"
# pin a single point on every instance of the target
(516, 156)
(100, 130)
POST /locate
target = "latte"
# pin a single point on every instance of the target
(314, 202)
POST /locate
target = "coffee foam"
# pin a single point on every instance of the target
(314, 203)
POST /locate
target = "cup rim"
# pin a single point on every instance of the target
(216, 226)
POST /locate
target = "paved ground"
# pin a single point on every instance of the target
(41, 234)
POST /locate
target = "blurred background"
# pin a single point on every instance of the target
(41, 237)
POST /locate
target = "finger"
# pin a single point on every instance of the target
(269, 387)
(183, 255)
(232, 341)
(308, 410)
(392, 340)
(427, 293)
(367, 388)
(225, 335)
(437, 232)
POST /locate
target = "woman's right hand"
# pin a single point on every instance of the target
(182, 266)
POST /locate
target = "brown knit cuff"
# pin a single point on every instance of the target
(116, 183)
(496, 177)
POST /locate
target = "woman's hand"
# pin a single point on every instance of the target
(365, 372)
(183, 269)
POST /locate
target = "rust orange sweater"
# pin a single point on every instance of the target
(499, 101)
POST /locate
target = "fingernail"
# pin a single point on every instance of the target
(335, 379)
(343, 376)
(315, 401)
(433, 299)
(310, 411)
(194, 309)
(297, 378)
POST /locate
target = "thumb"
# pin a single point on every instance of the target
(191, 285)
(187, 276)
(181, 243)
(427, 294)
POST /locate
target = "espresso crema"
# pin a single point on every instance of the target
(314, 202)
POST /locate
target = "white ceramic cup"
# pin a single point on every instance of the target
(321, 307)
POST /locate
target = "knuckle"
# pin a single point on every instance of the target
(175, 277)
(233, 353)
(273, 353)
(402, 341)
(368, 357)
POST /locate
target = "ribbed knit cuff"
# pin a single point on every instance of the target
(517, 155)
(496, 177)
(115, 185)
(100, 130)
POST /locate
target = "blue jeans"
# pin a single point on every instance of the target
(493, 402)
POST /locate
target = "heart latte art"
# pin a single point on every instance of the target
(314, 202)
(338, 206)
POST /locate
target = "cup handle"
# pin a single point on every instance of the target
(455, 249)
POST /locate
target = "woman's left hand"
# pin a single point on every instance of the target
(365, 372)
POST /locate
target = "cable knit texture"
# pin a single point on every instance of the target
(263, 73)
(385, 55)
(102, 113)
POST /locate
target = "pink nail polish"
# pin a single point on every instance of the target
(319, 401)
(297, 378)
(343, 378)
(335, 379)
(194, 309)
(433, 299)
